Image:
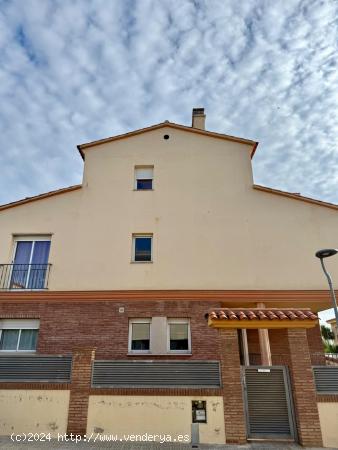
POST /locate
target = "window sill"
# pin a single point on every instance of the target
(141, 262)
(158, 354)
(138, 353)
(142, 190)
(16, 352)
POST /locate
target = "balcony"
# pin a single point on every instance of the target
(27, 277)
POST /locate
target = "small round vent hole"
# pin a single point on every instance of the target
(166, 136)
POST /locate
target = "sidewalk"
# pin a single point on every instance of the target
(7, 444)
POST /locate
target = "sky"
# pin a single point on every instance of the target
(79, 70)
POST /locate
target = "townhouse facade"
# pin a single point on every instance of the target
(167, 295)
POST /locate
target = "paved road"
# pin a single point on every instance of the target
(7, 444)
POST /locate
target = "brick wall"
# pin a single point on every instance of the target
(79, 390)
(304, 391)
(279, 345)
(65, 325)
(234, 419)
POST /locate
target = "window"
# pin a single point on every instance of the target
(30, 263)
(18, 335)
(142, 247)
(144, 178)
(139, 335)
(179, 335)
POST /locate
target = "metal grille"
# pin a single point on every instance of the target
(268, 404)
(326, 379)
(24, 276)
(149, 374)
(28, 368)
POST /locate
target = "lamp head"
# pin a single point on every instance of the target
(326, 252)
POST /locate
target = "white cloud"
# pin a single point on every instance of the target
(72, 72)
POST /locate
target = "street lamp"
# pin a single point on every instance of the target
(325, 253)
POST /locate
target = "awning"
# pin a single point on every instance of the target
(262, 318)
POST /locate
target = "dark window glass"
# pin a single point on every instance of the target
(179, 336)
(140, 339)
(9, 339)
(144, 184)
(143, 248)
(28, 339)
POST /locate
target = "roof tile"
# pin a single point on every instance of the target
(261, 314)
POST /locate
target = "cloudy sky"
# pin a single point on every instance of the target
(75, 71)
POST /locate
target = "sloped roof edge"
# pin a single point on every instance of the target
(40, 196)
(255, 186)
(295, 196)
(177, 126)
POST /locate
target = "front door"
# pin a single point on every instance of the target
(269, 410)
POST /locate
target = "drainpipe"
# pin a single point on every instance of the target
(264, 343)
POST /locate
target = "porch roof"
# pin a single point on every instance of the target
(262, 318)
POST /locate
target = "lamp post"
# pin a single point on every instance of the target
(325, 253)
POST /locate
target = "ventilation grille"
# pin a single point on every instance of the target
(28, 368)
(150, 374)
(326, 379)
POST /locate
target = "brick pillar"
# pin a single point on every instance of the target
(79, 390)
(304, 390)
(234, 417)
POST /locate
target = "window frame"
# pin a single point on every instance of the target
(28, 238)
(130, 335)
(136, 168)
(142, 235)
(178, 321)
(15, 326)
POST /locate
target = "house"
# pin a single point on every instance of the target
(167, 295)
(333, 325)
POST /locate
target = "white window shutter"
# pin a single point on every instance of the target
(144, 173)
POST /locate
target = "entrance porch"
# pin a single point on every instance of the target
(268, 383)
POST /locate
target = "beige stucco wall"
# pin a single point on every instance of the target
(211, 229)
(155, 415)
(328, 416)
(33, 411)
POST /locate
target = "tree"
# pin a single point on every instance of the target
(327, 333)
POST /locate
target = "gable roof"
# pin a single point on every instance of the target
(176, 126)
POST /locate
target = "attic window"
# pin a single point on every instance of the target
(144, 178)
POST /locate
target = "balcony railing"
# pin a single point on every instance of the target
(24, 276)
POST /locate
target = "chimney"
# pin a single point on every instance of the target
(198, 118)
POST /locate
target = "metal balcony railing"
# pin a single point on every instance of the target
(24, 276)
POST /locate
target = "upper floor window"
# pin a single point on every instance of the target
(30, 263)
(179, 335)
(18, 335)
(144, 176)
(142, 247)
(139, 335)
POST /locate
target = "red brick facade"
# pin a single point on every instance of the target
(67, 325)
(80, 388)
(304, 391)
(235, 429)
